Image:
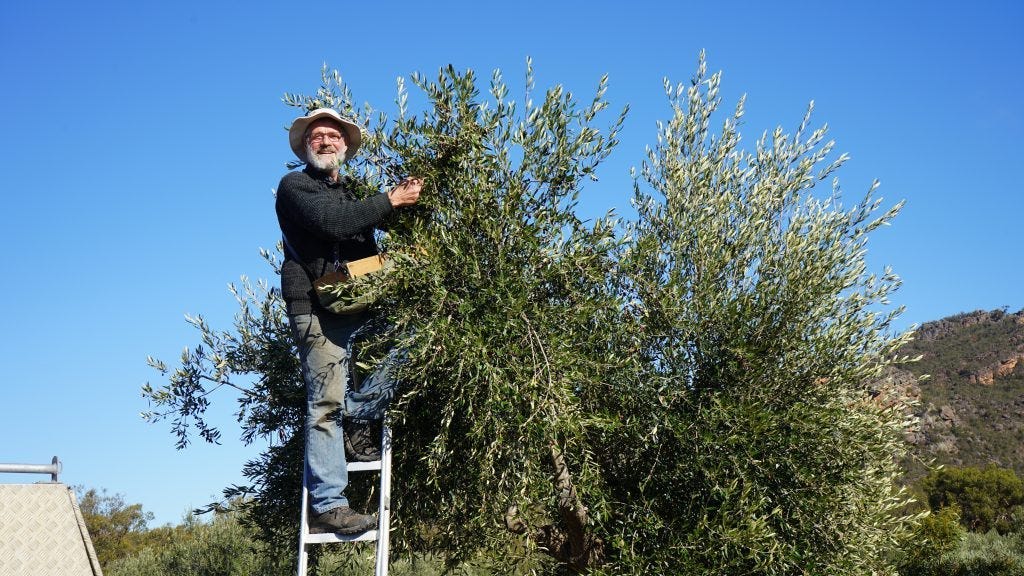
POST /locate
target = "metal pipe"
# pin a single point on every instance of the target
(53, 469)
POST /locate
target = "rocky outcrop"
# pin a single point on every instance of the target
(947, 326)
(896, 388)
(1007, 366)
(988, 375)
(935, 434)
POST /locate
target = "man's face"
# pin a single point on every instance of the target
(325, 145)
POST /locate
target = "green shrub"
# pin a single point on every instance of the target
(987, 497)
(985, 555)
(937, 534)
(223, 547)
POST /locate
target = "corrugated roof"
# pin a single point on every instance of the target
(42, 532)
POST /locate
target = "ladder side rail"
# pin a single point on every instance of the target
(384, 512)
(304, 523)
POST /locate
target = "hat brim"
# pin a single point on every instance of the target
(296, 134)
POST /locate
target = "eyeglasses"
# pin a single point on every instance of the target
(330, 138)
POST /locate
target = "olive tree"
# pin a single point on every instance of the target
(686, 393)
(759, 332)
(499, 297)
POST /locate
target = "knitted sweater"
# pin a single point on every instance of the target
(316, 215)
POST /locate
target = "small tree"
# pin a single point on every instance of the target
(504, 307)
(758, 330)
(117, 529)
(499, 295)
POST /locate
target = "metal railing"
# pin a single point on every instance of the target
(53, 468)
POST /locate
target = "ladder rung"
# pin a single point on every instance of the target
(363, 466)
(327, 538)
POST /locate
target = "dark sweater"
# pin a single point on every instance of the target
(316, 215)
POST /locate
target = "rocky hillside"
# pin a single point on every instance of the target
(971, 408)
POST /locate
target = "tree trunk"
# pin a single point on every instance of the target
(568, 542)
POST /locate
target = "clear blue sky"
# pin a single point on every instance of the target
(142, 141)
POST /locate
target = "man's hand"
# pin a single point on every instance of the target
(407, 193)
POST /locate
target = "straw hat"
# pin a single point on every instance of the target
(353, 136)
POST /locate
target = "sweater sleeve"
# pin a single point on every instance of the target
(328, 216)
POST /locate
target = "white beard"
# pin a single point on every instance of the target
(324, 162)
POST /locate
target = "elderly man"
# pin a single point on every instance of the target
(323, 223)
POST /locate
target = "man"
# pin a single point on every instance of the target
(322, 222)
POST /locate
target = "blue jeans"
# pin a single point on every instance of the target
(325, 345)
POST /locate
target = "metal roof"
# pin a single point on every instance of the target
(42, 532)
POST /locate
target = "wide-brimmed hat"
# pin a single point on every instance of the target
(353, 136)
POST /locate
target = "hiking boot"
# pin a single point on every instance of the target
(362, 440)
(342, 520)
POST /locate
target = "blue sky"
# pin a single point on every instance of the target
(142, 142)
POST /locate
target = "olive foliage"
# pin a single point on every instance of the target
(500, 297)
(757, 331)
(682, 393)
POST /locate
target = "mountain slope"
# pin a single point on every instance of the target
(972, 406)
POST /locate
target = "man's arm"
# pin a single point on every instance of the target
(302, 201)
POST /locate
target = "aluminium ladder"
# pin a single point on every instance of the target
(380, 535)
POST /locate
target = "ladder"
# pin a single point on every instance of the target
(380, 535)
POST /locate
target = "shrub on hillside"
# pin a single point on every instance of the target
(987, 497)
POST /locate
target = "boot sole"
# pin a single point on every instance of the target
(346, 531)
